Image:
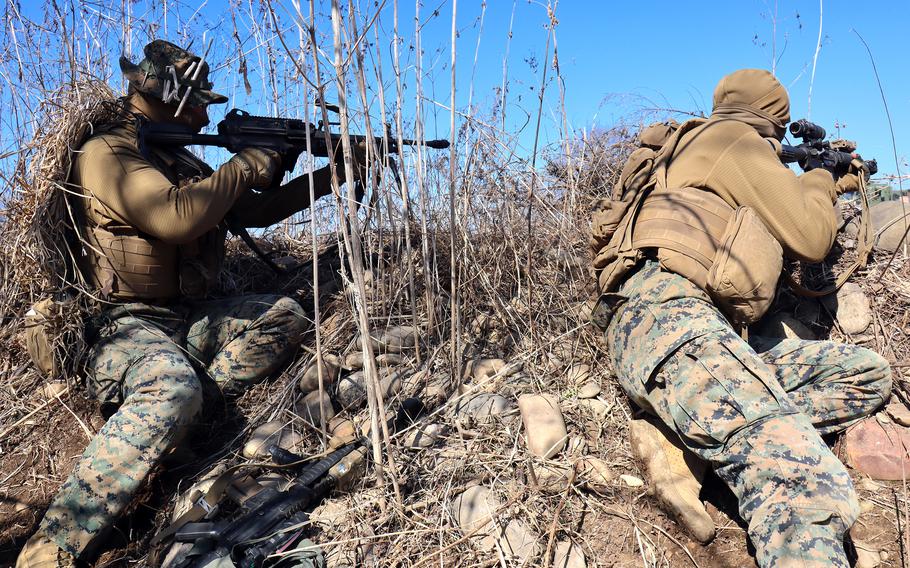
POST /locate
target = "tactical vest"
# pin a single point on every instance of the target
(726, 251)
(126, 264)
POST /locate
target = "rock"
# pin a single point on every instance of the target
(308, 407)
(53, 389)
(352, 390)
(273, 432)
(552, 478)
(395, 339)
(867, 554)
(478, 369)
(475, 509)
(482, 406)
(631, 480)
(568, 555)
(588, 390)
(785, 326)
(389, 359)
(424, 436)
(853, 311)
(545, 428)
(598, 408)
(353, 360)
(343, 431)
(578, 373)
(596, 475)
(309, 382)
(877, 449)
(898, 411)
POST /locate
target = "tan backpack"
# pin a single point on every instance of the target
(726, 251)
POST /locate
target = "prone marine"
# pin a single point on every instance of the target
(688, 252)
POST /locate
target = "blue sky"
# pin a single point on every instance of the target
(617, 60)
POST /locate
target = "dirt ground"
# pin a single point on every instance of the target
(619, 529)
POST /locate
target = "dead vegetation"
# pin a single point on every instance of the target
(486, 257)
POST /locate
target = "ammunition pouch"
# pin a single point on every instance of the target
(727, 252)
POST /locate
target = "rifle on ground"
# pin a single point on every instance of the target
(271, 520)
(816, 152)
(287, 136)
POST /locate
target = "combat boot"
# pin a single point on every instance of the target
(675, 475)
(40, 552)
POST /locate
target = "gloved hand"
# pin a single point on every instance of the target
(260, 164)
(850, 181)
(847, 183)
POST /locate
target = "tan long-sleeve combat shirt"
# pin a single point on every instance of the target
(154, 220)
(729, 158)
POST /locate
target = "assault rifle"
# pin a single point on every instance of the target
(287, 136)
(816, 152)
(271, 520)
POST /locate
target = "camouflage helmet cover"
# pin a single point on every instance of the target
(167, 71)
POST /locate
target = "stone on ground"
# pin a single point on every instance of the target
(854, 313)
(423, 436)
(598, 408)
(478, 369)
(545, 428)
(578, 373)
(311, 406)
(596, 475)
(588, 390)
(887, 221)
(482, 406)
(568, 555)
(877, 449)
(309, 382)
(475, 510)
(898, 411)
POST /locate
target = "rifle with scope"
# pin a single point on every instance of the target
(814, 151)
(287, 136)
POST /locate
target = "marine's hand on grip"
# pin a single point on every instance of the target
(261, 165)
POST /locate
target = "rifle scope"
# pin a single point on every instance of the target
(806, 130)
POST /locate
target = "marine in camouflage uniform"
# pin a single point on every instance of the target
(754, 411)
(154, 223)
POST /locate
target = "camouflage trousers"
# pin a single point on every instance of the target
(151, 362)
(755, 417)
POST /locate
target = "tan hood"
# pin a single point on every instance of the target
(756, 97)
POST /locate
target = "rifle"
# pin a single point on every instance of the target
(270, 521)
(816, 152)
(287, 136)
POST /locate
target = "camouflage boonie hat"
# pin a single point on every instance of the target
(168, 71)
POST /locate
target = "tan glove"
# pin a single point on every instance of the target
(847, 183)
(259, 164)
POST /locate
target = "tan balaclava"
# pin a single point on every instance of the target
(756, 97)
